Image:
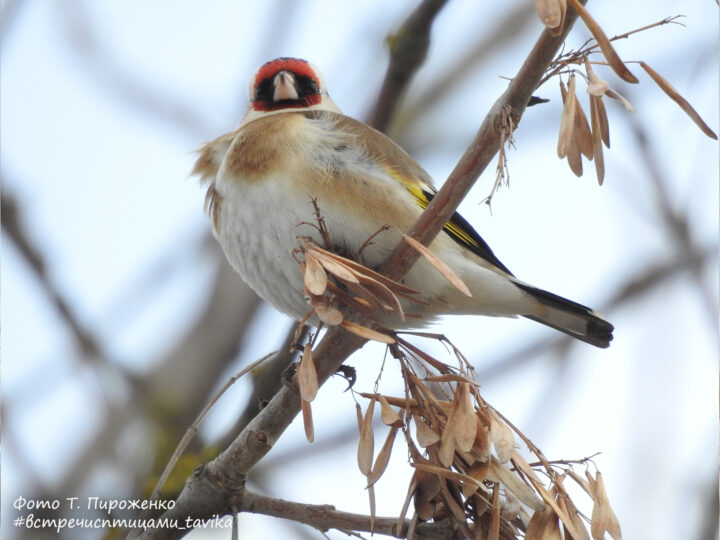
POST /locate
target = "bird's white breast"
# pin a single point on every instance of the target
(261, 218)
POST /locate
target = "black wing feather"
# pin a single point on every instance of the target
(469, 239)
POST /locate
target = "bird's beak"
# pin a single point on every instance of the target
(284, 83)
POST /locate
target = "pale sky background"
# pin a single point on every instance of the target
(103, 185)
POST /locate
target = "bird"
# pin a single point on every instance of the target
(294, 149)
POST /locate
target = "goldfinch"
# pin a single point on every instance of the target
(294, 146)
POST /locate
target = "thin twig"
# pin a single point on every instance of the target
(192, 430)
(577, 56)
(324, 517)
(676, 222)
(92, 350)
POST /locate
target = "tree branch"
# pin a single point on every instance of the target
(408, 49)
(325, 517)
(222, 481)
(90, 346)
(207, 494)
(482, 149)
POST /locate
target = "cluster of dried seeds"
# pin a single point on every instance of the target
(578, 137)
(467, 467)
(467, 463)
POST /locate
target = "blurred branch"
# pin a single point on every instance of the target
(267, 383)
(284, 17)
(168, 398)
(676, 222)
(92, 350)
(709, 523)
(198, 359)
(118, 81)
(498, 36)
(9, 14)
(220, 485)
(408, 50)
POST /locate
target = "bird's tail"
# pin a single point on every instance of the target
(569, 317)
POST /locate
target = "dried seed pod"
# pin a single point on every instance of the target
(366, 444)
(575, 160)
(567, 120)
(520, 463)
(388, 415)
(307, 420)
(502, 438)
(426, 492)
(465, 425)
(582, 133)
(603, 121)
(439, 265)
(494, 527)
(605, 46)
(381, 291)
(335, 267)
(591, 483)
(307, 375)
(424, 434)
(538, 523)
(580, 481)
(552, 14)
(366, 333)
(359, 270)
(603, 518)
(383, 458)
(453, 476)
(328, 315)
(597, 138)
(446, 451)
(452, 504)
(480, 502)
(673, 94)
(511, 481)
(481, 447)
(478, 471)
(576, 521)
(552, 529)
(314, 276)
(612, 94)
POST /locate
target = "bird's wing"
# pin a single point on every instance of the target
(210, 157)
(404, 169)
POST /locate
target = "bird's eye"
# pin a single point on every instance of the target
(264, 91)
(308, 86)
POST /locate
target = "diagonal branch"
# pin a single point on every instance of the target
(481, 151)
(92, 349)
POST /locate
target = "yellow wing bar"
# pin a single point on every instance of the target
(457, 228)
